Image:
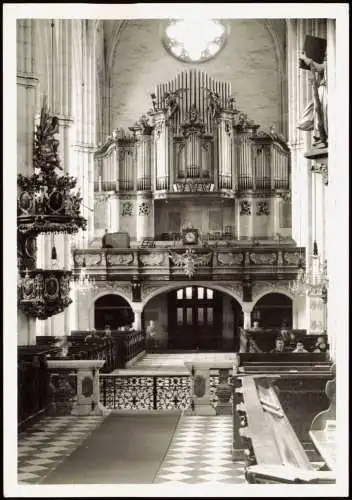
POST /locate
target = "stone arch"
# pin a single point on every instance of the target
(104, 294)
(269, 290)
(100, 294)
(156, 290)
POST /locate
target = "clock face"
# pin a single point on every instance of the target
(190, 237)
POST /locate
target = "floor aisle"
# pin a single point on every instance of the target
(134, 448)
(200, 452)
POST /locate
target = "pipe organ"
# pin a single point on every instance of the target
(194, 146)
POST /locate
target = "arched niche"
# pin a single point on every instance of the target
(273, 310)
(194, 316)
(112, 310)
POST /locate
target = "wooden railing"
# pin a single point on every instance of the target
(33, 389)
(116, 350)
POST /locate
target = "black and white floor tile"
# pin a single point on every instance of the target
(201, 452)
(47, 443)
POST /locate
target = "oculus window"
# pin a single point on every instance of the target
(194, 41)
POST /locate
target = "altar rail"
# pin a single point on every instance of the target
(150, 392)
(228, 262)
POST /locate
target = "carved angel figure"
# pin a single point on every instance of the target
(170, 102)
(215, 106)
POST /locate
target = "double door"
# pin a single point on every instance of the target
(195, 318)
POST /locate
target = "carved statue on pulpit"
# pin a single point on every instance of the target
(45, 143)
(315, 115)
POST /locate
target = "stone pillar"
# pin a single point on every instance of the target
(245, 209)
(88, 390)
(200, 389)
(27, 83)
(299, 95)
(137, 323)
(144, 216)
(336, 206)
(247, 310)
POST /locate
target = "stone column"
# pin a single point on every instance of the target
(144, 216)
(336, 197)
(137, 324)
(247, 310)
(27, 82)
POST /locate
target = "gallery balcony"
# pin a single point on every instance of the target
(180, 262)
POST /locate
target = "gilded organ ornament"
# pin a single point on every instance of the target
(245, 207)
(144, 208)
(263, 208)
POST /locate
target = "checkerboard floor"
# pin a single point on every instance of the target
(200, 452)
(47, 443)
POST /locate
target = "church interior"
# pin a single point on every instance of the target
(177, 303)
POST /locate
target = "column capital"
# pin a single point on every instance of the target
(247, 307)
(27, 79)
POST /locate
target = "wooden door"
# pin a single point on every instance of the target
(195, 315)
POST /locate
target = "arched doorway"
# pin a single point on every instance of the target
(200, 318)
(112, 310)
(273, 310)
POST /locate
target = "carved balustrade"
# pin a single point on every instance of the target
(178, 262)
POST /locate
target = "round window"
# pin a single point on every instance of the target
(194, 41)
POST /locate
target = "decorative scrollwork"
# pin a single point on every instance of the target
(263, 258)
(144, 208)
(153, 259)
(263, 208)
(293, 258)
(119, 259)
(44, 293)
(230, 258)
(245, 207)
(127, 208)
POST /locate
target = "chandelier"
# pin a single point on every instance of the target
(298, 286)
(84, 282)
(317, 279)
(194, 40)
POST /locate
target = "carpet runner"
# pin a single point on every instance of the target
(124, 449)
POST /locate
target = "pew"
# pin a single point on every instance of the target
(272, 431)
(263, 340)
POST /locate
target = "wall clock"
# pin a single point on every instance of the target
(190, 236)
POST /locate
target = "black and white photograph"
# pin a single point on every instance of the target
(175, 189)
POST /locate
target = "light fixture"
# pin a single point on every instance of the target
(84, 283)
(194, 41)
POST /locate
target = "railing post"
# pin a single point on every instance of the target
(154, 393)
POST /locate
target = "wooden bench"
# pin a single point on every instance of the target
(275, 454)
